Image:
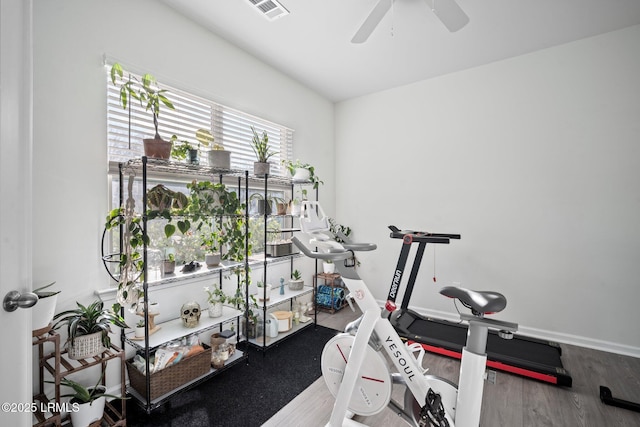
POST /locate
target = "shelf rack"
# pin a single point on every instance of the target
(180, 171)
(59, 366)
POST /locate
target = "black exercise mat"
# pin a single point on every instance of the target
(244, 395)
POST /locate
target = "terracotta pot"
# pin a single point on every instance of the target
(157, 148)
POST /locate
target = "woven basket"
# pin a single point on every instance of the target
(85, 346)
(172, 377)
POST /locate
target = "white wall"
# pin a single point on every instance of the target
(535, 160)
(70, 123)
(70, 185)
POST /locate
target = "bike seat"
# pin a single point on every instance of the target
(480, 302)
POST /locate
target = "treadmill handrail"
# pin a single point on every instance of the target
(422, 236)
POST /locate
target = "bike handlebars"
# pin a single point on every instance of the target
(334, 254)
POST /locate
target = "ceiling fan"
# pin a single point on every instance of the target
(448, 11)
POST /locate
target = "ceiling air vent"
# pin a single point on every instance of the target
(271, 9)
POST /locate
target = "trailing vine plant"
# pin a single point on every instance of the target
(131, 261)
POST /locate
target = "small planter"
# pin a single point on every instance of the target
(296, 285)
(295, 208)
(139, 332)
(328, 267)
(42, 314)
(219, 159)
(301, 175)
(215, 309)
(212, 260)
(261, 169)
(250, 329)
(262, 296)
(88, 413)
(168, 266)
(281, 208)
(157, 148)
(85, 346)
(193, 156)
(279, 249)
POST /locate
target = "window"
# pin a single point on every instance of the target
(230, 127)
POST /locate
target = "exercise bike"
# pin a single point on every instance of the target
(353, 364)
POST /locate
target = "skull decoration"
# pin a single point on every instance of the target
(190, 314)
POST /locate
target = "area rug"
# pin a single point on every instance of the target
(246, 394)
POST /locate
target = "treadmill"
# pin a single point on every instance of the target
(529, 357)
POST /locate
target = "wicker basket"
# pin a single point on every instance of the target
(85, 346)
(172, 377)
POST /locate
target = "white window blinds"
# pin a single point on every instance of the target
(230, 127)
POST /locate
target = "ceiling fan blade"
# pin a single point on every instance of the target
(372, 21)
(451, 15)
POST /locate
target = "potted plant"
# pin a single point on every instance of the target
(295, 205)
(150, 98)
(302, 172)
(218, 157)
(183, 150)
(43, 311)
(209, 200)
(250, 307)
(130, 261)
(87, 403)
(88, 329)
(296, 283)
(264, 205)
(169, 263)
(216, 298)
(328, 267)
(260, 145)
(139, 331)
(264, 291)
(211, 245)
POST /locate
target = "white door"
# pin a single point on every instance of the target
(15, 208)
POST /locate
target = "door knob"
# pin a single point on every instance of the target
(15, 299)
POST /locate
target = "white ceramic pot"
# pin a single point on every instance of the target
(295, 209)
(328, 267)
(88, 413)
(139, 331)
(215, 309)
(42, 313)
(301, 175)
(154, 308)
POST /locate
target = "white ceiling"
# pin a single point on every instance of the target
(312, 43)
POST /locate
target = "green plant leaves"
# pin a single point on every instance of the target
(169, 229)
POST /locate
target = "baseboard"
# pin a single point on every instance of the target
(577, 340)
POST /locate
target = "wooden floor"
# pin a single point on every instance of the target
(513, 401)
